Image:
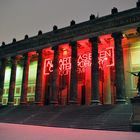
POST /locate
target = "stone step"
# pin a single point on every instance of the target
(106, 117)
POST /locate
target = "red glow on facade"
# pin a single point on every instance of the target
(65, 52)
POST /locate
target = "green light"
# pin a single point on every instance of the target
(7, 75)
(32, 71)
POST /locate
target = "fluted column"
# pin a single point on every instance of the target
(119, 67)
(39, 79)
(74, 76)
(24, 88)
(95, 99)
(55, 76)
(2, 76)
(12, 80)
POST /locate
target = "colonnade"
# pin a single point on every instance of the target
(95, 99)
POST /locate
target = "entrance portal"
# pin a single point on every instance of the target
(107, 86)
(64, 90)
(83, 95)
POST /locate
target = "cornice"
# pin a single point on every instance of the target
(100, 26)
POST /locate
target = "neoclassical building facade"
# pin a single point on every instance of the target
(85, 63)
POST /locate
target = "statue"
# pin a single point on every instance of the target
(138, 83)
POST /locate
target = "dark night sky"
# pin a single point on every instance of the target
(20, 17)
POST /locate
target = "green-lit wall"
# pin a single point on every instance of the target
(19, 73)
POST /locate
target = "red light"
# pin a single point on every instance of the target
(65, 52)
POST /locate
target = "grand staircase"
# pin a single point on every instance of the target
(102, 117)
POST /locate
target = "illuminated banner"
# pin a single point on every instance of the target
(48, 67)
(64, 65)
(106, 59)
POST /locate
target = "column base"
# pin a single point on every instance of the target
(1, 104)
(23, 103)
(135, 99)
(72, 102)
(120, 101)
(38, 103)
(95, 102)
(54, 103)
(10, 103)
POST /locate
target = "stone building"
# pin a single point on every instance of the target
(84, 63)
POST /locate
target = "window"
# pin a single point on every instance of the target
(18, 90)
(7, 90)
(4, 101)
(4, 91)
(33, 89)
(29, 90)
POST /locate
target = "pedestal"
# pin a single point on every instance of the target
(135, 119)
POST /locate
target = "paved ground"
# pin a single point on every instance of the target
(29, 132)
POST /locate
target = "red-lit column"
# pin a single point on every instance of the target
(74, 77)
(39, 79)
(95, 99)
(24, 88)
(119, 67)
(55, 76)
(12, 80)
(2, 76)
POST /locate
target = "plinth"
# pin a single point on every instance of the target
(135, 119)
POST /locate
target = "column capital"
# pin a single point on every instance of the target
(14, 60)
(138, 30)
(94, 39)
(15, 57)
(73, 43)
(117, 35)
(27, 54)
(55, 48)
(4, 59)
(39, 51)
